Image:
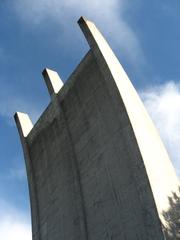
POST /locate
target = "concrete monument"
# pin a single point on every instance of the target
(97, 168)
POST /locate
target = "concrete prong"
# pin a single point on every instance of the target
(91, 33)
(23, 123)
(52, 80)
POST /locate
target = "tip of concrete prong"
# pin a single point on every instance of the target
(52, 80)
(82, 20)
(24, 123)
(89, 30)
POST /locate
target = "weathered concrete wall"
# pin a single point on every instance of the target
(89, 178)
(154, 155)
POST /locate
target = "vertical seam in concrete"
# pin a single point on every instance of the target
(77, 177)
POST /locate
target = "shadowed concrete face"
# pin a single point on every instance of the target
(153, 152)
(24, 123)
(96, 166)
(53, 81)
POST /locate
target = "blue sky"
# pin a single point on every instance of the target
(145, 36)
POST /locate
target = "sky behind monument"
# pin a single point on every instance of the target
(144, 35)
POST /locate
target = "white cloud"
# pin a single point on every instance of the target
(163, 104)
(107, 14)
(14, 229)
(14, 225)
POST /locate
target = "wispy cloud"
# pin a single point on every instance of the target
(163, 104)
(18, 173)
(13, 223)
(8, 106)
(108, 15)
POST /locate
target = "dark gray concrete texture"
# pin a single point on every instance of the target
(86, 172)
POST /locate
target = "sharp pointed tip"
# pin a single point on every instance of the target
(81, 20)
(18, 114)
(15, 114)
(23, 122)
(44, 71)
(47, 71)
(52, 80)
